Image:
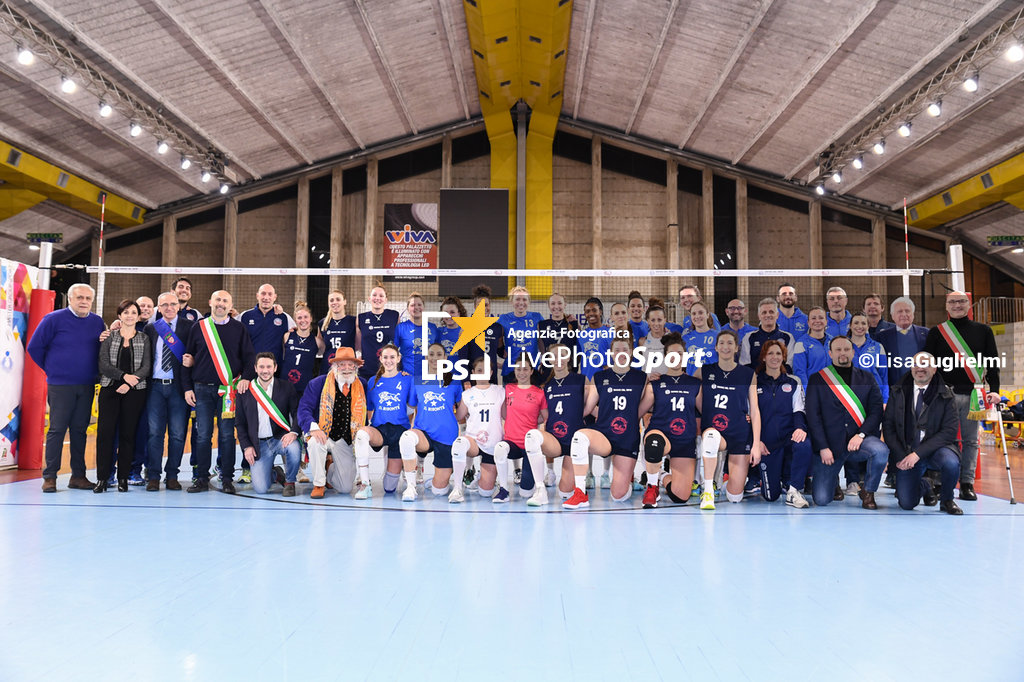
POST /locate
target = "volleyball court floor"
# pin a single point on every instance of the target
(170, 586)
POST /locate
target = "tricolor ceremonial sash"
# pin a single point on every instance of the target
(172, 342)
(267, 403)
(220, 361)
(845, 394)
(960, 348)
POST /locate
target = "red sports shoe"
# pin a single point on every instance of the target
(651, 497)
(579, 500)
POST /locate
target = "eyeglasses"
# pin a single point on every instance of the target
(736, 307)
(958, 301)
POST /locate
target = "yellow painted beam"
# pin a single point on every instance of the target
(999, 183)
(22, 170)
(13, 200)
(1016, 199)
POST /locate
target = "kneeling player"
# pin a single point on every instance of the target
(389, 392)
(481, 409)
(524, 408)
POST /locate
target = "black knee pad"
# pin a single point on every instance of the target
(654, 448)
(672, 496)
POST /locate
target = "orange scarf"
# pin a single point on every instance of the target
(358, 405)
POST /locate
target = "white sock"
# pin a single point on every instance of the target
(652, 479)
(410, 478)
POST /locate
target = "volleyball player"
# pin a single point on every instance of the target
(637, 308)
(520, 327)
(524, 408)
(728, 399)
(409, 337)
(616, 433)
(448, 331)
(780, 400)
(557, 326)
(565, 393)
(700, 337)
(375, 329)
(654, 340)
(481, 409)
(810, 352)
(494, 336)
(672, 399)
(434, 428)
(594, 339)
(388, 394)
(337, 328)
(301, 347)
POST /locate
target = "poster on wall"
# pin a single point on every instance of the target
(410, 239)
(16, 283)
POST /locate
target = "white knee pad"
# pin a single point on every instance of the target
(710, 443)
(407, 446)
(738, 497)
(534, 439)
(501, 451)
(361, 448)
(438, 492)
(459, 449)
(625, 496)
(579, 450)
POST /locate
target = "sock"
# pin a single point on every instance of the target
(652, 479)
(410, 478)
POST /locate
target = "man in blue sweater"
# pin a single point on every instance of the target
(66, 346)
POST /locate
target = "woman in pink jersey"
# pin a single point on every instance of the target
(525, 407)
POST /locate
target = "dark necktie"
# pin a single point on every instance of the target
(919, 405)
(165, 360)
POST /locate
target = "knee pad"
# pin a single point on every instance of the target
(654, 448)
(459, 449)
(579, 450)
(710, 444)
(390, 482)
(737, 497)
(407, 446)
(361, 448)
(486, 493)
(675, 498)
(534, 439)
(501, 451)
(438, 491)
(625, 496)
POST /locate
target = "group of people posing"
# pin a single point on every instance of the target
(782, 408)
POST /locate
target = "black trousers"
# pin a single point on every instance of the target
(118, 413)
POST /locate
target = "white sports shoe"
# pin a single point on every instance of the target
(853, 488)
(410, 494)
(539, 499)
(455, 496)
(795, 499)
(363, 492)
(549, 477)
(707, 500)
(606, 481)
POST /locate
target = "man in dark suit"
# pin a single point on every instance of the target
(844, 413)
(267, 426)
(920, 428)
(166, 410)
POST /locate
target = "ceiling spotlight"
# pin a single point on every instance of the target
(904, 129)
(67, 86)
(205, 176)
(819, 189)
(935, 108)
(837, 177)
(25, 56)
(858, 162)
(223, 188)
(33, 247)
(134, 129)
(161, 147)
(971, 82)
(185, 163)
(1018, 250)
(1015, 52)
(105, 109)
(879, 147)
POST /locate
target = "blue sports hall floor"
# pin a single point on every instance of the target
(169, 586)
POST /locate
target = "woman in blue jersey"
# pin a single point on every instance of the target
(810, 352)
(481, 411)
(672, 399)
(494, 336)
(520, 327)
(565, 393)
(701, 337)
(337, 328)
(301, 346)
(594, 340)
(780, 400)
(409, 337)
(375, 329)
(637, 308)
(434, 428)
(730, 420)
(868, 354)
(617, 393)
(388, 394)
(448, 331)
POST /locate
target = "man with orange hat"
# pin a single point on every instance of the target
(332, 409)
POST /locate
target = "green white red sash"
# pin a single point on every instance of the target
(220, 362)
(267, 403)
(960, 348)
(845, 394)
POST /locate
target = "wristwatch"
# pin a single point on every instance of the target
(862, 435)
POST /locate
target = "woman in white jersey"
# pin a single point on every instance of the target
(481, 410)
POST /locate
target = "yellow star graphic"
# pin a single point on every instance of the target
(473, 327)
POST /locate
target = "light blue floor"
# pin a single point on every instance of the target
(168, 586)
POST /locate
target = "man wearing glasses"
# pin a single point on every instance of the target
(737, 313)
(957, 344)
(838, 315)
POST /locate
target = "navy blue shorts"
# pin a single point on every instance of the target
(627, 445)
(391, 433)
(738, 440)
(442, 453)
(514, 452)
(682, 448)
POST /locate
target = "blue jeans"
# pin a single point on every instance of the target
(871, 450)
(167, 412)
(208, 408)
(910, 484)
(263, 468)
(70, 410)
